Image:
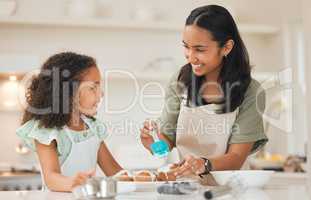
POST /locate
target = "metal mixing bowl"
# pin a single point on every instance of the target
(96, 188)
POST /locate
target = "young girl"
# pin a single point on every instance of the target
(59, 122)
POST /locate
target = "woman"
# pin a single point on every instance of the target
(212, 105)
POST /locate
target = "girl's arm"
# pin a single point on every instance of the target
(232, 160)
(106, 161)
(53, 178)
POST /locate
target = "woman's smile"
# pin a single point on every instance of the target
(197, 67)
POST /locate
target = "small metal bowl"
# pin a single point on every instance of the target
(96, 188)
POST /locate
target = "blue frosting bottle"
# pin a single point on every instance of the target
(159, 148)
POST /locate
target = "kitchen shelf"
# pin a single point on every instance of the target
(66, 22)
(161, 76)
(262, 29)
(266, 76)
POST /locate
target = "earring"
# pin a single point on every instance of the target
(225, 58)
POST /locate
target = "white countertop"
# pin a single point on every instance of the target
(269, 193)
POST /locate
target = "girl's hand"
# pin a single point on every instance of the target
(81, 177)
(191, 166)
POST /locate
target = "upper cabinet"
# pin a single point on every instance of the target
(131, 35)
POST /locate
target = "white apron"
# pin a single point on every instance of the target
(201, 132)
(82, 157)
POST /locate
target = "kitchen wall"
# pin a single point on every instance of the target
(307, 29)
(137, 49)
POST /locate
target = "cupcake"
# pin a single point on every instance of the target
(144, 176)
(166, 176)
(124, 175)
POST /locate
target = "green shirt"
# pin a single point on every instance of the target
(31, 131)
(249, 121)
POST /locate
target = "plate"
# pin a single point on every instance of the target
(150, 185)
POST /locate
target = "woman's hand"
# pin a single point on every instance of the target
(81, 177)
(145, 136)
(191, 166)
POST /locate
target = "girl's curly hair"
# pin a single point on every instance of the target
(50, 94)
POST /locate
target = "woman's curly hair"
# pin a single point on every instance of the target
(50, 94)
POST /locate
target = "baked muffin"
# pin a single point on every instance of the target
(174, 166)
(124, 176)
(144, 176)
(166, 176)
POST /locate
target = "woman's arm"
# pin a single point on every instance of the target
(170, 143)
(106, 161)
(232, 160)
(53, 178)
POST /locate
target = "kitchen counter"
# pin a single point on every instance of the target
(268, 193)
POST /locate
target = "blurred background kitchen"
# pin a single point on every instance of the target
(138, 46)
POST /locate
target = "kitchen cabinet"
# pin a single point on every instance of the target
(123, 25)
(10, 181)
(108, 38)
